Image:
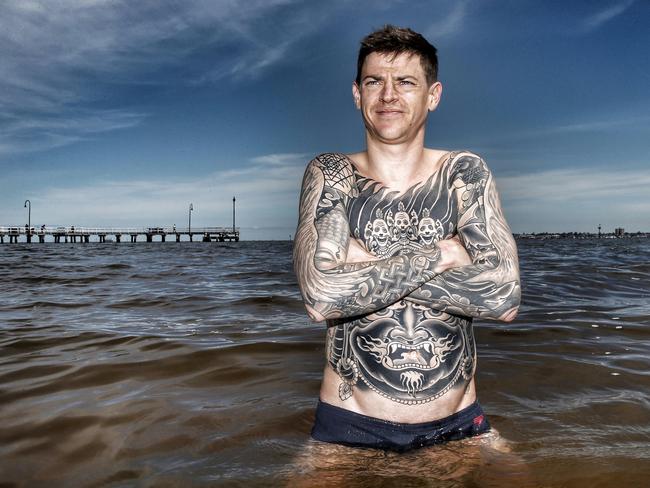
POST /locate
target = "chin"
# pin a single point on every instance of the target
(391, 137)
(388, 133)
(398, 130)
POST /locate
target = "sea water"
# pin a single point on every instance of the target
(194, 364)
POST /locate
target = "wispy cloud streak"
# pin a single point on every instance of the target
(570, 185)
(596, 125)
(59, 56)
(46, 131)
(601, 17)
(451, 23)
(578, 200)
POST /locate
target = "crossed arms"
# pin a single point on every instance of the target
(335, 284)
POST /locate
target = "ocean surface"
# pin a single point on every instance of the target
(169, 364)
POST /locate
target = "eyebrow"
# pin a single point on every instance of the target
(398, 78)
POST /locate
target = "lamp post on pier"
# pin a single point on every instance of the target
(189, 224)
(29, 220)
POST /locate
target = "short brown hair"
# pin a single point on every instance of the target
(397, 40)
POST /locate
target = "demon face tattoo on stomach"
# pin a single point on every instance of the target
(408, 353)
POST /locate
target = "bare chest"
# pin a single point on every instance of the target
(388, 222)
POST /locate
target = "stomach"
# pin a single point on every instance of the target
(406, 363)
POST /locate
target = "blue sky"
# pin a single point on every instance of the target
(121, 113)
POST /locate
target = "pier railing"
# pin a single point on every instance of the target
(82, 234)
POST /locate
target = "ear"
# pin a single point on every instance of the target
(435, 92)
(356, 94)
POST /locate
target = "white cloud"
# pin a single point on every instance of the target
(576, 199)
(598, 123)
(603, 16)
(249, 65)
(601, 125)
(45, 131)
(59, 56)
(88, 122)
(281, 159)
(449, 24)
(569, 185)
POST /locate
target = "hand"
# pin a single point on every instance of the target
(452, 254)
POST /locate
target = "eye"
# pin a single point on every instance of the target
(406, 82)
(372, 82)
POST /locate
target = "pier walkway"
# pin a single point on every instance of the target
(115, 234)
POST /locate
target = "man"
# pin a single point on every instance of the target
(398, 248)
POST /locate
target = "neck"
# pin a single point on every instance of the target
(397, 165)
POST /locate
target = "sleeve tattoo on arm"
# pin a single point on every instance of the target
(331, 288)
(489, 287)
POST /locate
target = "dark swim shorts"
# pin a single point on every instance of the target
(340, 426)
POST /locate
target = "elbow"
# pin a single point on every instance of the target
(324, 313)
(509, 315)
(318, 309)
(511, 306)
(314, 315)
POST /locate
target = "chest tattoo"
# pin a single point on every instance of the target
(388, 223)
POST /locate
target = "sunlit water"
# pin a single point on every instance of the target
(195, 365)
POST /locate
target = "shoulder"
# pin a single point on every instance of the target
(331, 162)
(336, 169)
(468, 167)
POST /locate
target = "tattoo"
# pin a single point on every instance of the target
(329, 286)
(423, 348)
(408, 332)
(389, 223)
(490, 287)
(331, 226)
(407, 353)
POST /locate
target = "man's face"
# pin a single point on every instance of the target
(394, 97)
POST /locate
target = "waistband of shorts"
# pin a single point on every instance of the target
(466, 414)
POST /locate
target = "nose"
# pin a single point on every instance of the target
(388, 94)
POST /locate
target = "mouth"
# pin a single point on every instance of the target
(402, 356)
(398, 354)
(389, 113)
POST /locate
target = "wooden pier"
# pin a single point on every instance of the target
(111, 234)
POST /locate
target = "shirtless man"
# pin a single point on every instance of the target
(398, 248)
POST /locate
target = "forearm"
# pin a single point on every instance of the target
(361, 288)
(462, 291)
(489, 287)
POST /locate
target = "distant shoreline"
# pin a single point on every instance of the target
(581, 235)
